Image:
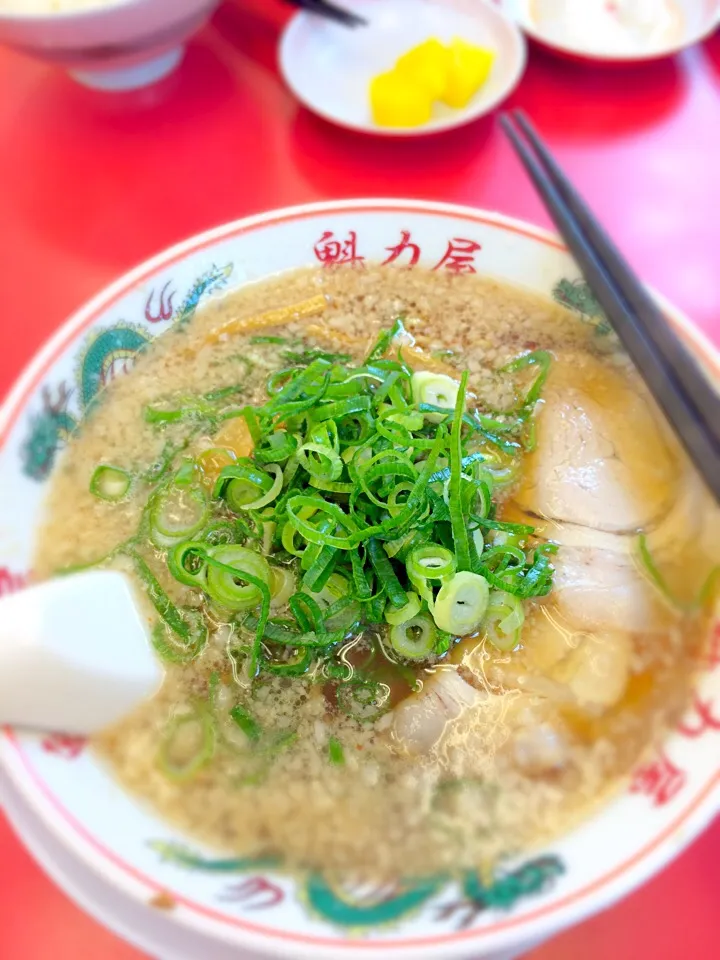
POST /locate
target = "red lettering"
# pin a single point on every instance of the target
(64, 745)
(459, 256)
(700, 719)
(660, 780)
(405, 244)
(11, 582)
(258, 889)
(329, 250)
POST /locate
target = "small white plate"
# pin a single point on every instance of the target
(592, 29)
(329, 67)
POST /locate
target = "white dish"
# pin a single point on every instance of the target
(329, 66)
(222, 906)
(624, 32)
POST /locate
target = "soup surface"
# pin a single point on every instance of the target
(422, 558)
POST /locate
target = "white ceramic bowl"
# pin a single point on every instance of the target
(329, 67)
(116, 46)
(116, 857)
(697, 20)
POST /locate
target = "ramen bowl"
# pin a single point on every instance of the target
(118, 45)
(166, 892)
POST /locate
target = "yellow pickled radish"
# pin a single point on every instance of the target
(398, 101)
(427, 65)
(469, 67)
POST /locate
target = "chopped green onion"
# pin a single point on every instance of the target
(654, 573)
(291, 663)
(187, 473)
(172, 647)
(342, 408)
(287, 536)
(282, 586)
(253, 660)
(110, 483)
(319, 567)
(339, 608)
(503, 620)
(384, 341)
(478, 541)
(430, 562)
(396, 616)
(247, 487)
(227, 584)
(343, 616)
(436, 389)
(307, 612)
(444, 474)
(336, 586)
(360, 576)
(321, 461)
(161, 413)
(385, 574)
(186, 565)
(270, 494)
(537, 358)
(335, 752)
(311, 382)
(280, 631)
(221, 531)
(277, 447)
(457, 521)
(310, 532)
(249, 726)
(461, 603)
(166, 609)
(415, 638)
(370, 488)
(253, 425)
(177, 513)
(187, 747)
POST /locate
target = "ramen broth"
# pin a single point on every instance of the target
(482, 746)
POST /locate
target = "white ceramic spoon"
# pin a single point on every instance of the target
(75, 654)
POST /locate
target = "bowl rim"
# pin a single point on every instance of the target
(461, 117)
(534, 924)
(708, 26)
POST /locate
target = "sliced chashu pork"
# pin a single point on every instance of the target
(605, 468)
(449, 710)
(420, 721)
(602, 460)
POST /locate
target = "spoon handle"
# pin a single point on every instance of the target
(74, 654)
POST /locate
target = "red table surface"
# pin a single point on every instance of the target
(91, 184)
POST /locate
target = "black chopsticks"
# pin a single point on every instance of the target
(331, 12)
(672, 374)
